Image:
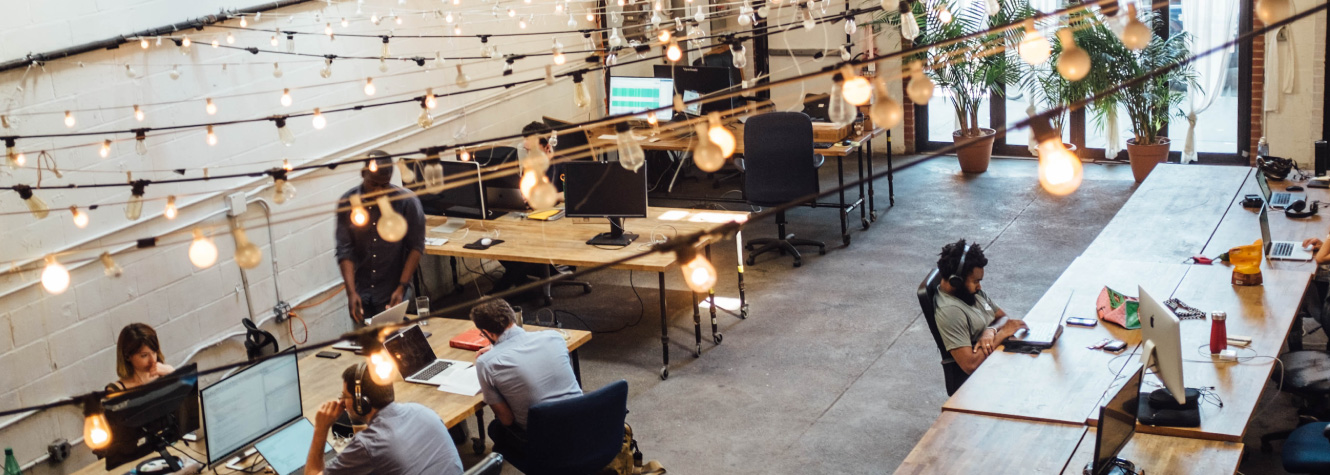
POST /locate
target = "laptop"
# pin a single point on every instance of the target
(416, 360)
(1281, 250)
(1278, 199)
(815, 106)
(1041, 338)
(287, 450)
(398, 312)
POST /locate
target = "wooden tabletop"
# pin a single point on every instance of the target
(1242, 226)
(674, 142)
(970, 443)
(563, 242)
(1162, 454)
(1064, 383)
(1171, 216)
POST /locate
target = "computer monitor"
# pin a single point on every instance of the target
(1161, 343)
(1117, 423)
(463, 195)
(605, 190)
(150, 418)
(702, 80)
(571, 142)
(634, 95)
(249, 405)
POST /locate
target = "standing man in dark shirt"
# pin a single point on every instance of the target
(378, 273)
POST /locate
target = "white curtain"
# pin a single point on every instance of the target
(1209, 23)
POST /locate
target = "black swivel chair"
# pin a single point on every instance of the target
(574, 436)
(779, 167)
(951, 372)
(491, 465)
(1305, 375)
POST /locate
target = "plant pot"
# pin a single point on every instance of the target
(974, 156)
(1145, 157)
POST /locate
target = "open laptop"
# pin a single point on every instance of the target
(1117, 423)
(287, 450)
(397, 312)
(416, 360)
(1277, 199)
(1281, 250)
(1041, 338)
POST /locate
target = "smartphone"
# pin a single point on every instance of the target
(332, 355)
(1115, 346)
(1082, 321)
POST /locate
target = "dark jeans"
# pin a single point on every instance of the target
(508, 440)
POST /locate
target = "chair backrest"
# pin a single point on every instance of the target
(258, 342)
(493, 156)
(491, 465)
(778, 158)
(927, 292)
(580, 434)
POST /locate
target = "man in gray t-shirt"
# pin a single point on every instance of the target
(399, 438)
(969, 323)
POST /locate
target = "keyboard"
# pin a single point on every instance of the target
(1280, 199)
(431, 370)
(1282, 249)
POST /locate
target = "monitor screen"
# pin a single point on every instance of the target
(462, 196)
(1117, 423)
(702, 80)
(630, 95)
(411, 350)
(249, 405)
(287, 450)
(604, 189)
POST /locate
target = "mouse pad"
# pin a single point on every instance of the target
(480, 247)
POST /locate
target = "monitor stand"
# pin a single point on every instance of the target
(1115, 467)
(165, 463)
(1160, 409)
(616, 236)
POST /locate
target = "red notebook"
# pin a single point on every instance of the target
(469, 340)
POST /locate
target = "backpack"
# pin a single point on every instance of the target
(629, 460)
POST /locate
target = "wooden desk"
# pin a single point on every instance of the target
(971, 443)
(1242, 226)
(1066, 382)
(1172, 215)
(1162, 454)
(563, 242)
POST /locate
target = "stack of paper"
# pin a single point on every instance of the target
(465, 382)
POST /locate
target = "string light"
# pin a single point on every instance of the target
(134, 208)
(175, 72)
(55, 279)
(140, 142)
(11, 151)
(425, 120)
(920, 89)
(558, 57)
(369, 87)
(359, 216)
(185, 43)
(286, 98)
(379, 362)
(212, 136)
(430, 101)
(521, 23)
(284, 133)
(373, 166)
(230, 38)
(143, 43)
(856, 89)
(170, 212)
(1060, 171)
(1135, 35)
(327, 30)
(392, 225)
(286, 165)
(318, 121)
(138, 114)
(944, 14)
(202, 251)
(210, 107)
(248, 255)
(674, 53)
(36, 205)
(282, 190)
(720, 135)
(465, 156)
(698, 272)
(69, 119)
(1034, 47)
(581, 96)
(96, 431)
(243, 23)
(1273, 11)
(664, 36)
(885, 112)
(651, 118)
(80, 218)
(105, 150)
(345, 23)
(109, 267)
(1074, 62)
(214, 43)
(631, 155)
(707, 155)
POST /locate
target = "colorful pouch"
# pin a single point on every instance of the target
(1116, 307)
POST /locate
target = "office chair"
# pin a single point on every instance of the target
(574, 436)
(1305, 375)
(491, 465)
(779, 167)
(951, 372)
(258, 342)
(1308, 449)
(546, 290)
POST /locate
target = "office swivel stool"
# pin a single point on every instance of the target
(785, 244)
(546, 291)
(1306, 375)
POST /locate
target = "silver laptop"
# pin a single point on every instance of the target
(287, 449)
(1278, 199)
(1281, 250)
(416, 360)
(1043, 337)
(396, 313)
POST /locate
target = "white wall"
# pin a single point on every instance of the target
(1297, 124)
(57, 345)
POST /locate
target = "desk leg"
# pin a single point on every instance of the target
(457, 283)
(891, 175)
(863, 208)
(577, 366)
(697, 326)
(743, 302)
(844, 215)
(664, 333)
(478, 445)
(711, 297)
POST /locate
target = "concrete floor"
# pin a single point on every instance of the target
(834, 371)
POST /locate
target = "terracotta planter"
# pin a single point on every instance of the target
(975, 156)
(1145, 157)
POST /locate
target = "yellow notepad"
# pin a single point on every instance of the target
(546, 215)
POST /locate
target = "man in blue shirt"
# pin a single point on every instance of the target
(399, 438)
(377, 273)
(517, 371)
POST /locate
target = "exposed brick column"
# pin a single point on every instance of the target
(1257, 88)
(910, 146)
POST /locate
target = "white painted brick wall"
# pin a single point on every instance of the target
(1292, 129)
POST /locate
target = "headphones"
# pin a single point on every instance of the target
(1295, 209)
(360, 405)
(956, 279)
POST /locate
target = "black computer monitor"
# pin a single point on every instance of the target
(691, 82)
(249, 405)
(605, 190)
(150, 418)
(463, 195)
(1117, 423)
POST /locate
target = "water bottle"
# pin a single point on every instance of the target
(11, 463)
(1218, 332)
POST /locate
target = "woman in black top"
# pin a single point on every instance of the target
(139, 358)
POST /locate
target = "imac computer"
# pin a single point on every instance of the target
(1161, 347)
(463, 195)
(1117, 423)
(697, 81)
(605, 190)
(635, 95)
(149, 419)
(251, 405)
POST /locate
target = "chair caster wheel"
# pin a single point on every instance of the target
(743, 312)
(664, 374)
(586, 289)
(697, 352)
(548, 301)
(865, 223)
(798, 263)
(717, 338)
(822, 251)
(845, 239)
(750, 261)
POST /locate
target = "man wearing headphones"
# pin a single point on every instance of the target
(399, 438)
(970, 324)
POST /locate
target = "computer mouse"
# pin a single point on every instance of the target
(486, 241)
(1293, 188)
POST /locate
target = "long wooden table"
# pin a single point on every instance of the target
(563, 242)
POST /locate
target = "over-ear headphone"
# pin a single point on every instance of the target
(360, 405)
(957, 279)
(1295, 209)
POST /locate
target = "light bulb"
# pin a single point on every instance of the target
(850, 26)
(283, 191)
(230, 38)
(549, 75)
(721, 136)
(707, 156)
(433, 175)
(920, 89)
(286, 98)
(448, 18)
(184, 43)
(175, 71)
(558, 7)
(944, 15)
(96, 431)
(465, 156)
(134, 208)
(243, 22)
(740, 55)
(212, 136)
(12, 153)
(673, 53)
(885, 112)
(143, 43)
(326, 72)
(327, 29)
(521, 23)
(430, 101)
(248, 255)
(457, 29)
(202, 252)
(664, 36)
(36, 205)
(290, 43)
(857, 90)
(631, 155)
(1135, 35)
(1060, 171)
(381, 367)
(462, 79)
(69, 119)
(129, 71)
(559, 59)
(1034, 47)
(651, 117)
(615, 40)
(369, 87)
(109, 267)
(374, 18)
(398, 19)
(286, 165)
(392, 225)
(214, 43)
(138, 114)
(318, 121)
(359, 216)
(581, 97)
(170, 212)
(210, 108)
(1074, 62)
(425, 119)
(808, 22)
(745, 19)
(528, 182)
(105, 149)
(55, 278)
(839, 111)
(273, 41)
(80, 218)
(284, 133)
(698, 272)
(1273, 11)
